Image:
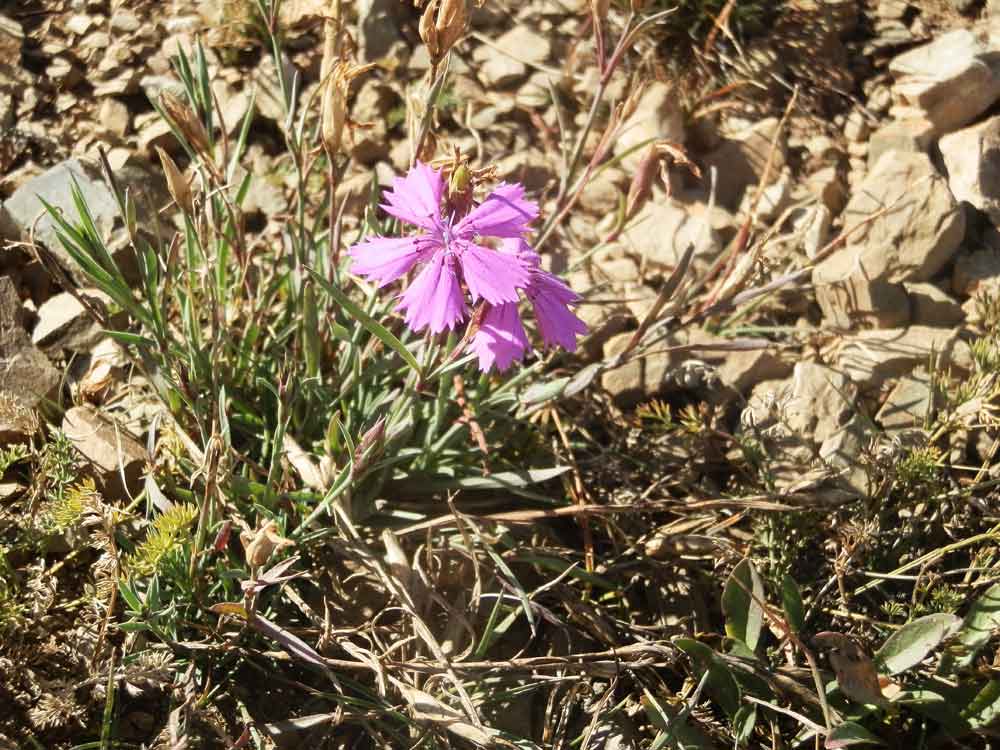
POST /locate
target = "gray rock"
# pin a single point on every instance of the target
(848, 296)
(929, 306)
(525, 44)
(506, 62)
(17, 423)
(921, 232)
(820, 400)
(601, 310)
(64, 323)
(828, 185)
(638, 378)
(843, 451)
(892, 10)
(27, 375)
(107, 446)
(657, 116)
(265, 196)
(856, 128)
(529, 166)
(741, 370)
(811, 226)
(663, 230)
(379, 24)
(119, 82)
(372, 105)
(156, 133)
(114, 117)
(125, 20)
(773, 199)
(740, 160)
(951, 80)
(268, 98)
(912, 135)
(499, 71)
(602, 194)
(974, 270)
(870, 358)
(910, 403)
(54, 186)
(972, 158)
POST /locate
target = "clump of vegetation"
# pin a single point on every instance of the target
(363, 525)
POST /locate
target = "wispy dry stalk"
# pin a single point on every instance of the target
(336, 75)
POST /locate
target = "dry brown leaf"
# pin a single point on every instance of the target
(856, 674)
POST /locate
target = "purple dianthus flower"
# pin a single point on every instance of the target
(450, 248)
(501, 340)
(455, 258)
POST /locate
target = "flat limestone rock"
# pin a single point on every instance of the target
(952, 79)
(870, 358)
(972, 158)
(26, 374)
(105, 444)
(55, 187)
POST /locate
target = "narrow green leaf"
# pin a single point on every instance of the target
(132, 626)
(985, 707)
(130, 339)
(791, 602)
(241, 141)
(539, 393)
(744, 722)
(674, 729)
(982, 619)
(721, 683)
(744, 616)
(129, 595)
(849, 734)
(583, 378)
(502, 480)
(913, 642)
(370, 324)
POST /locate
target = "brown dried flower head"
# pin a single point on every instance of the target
(260, 545)
(442, 24)
(337, 88)
(186, 121)
(178, 187)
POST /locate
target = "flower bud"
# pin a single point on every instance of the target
(442, 24)
(638, 5)
(187, 122)
(369, 449)
(177, 186)
(642, 182)
(600, 8)
(460, 179)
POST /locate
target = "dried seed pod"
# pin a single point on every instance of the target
(334, 114)
(442, 24)
(187, 122)
(641, 186)
(260, 545)
(177, 186)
